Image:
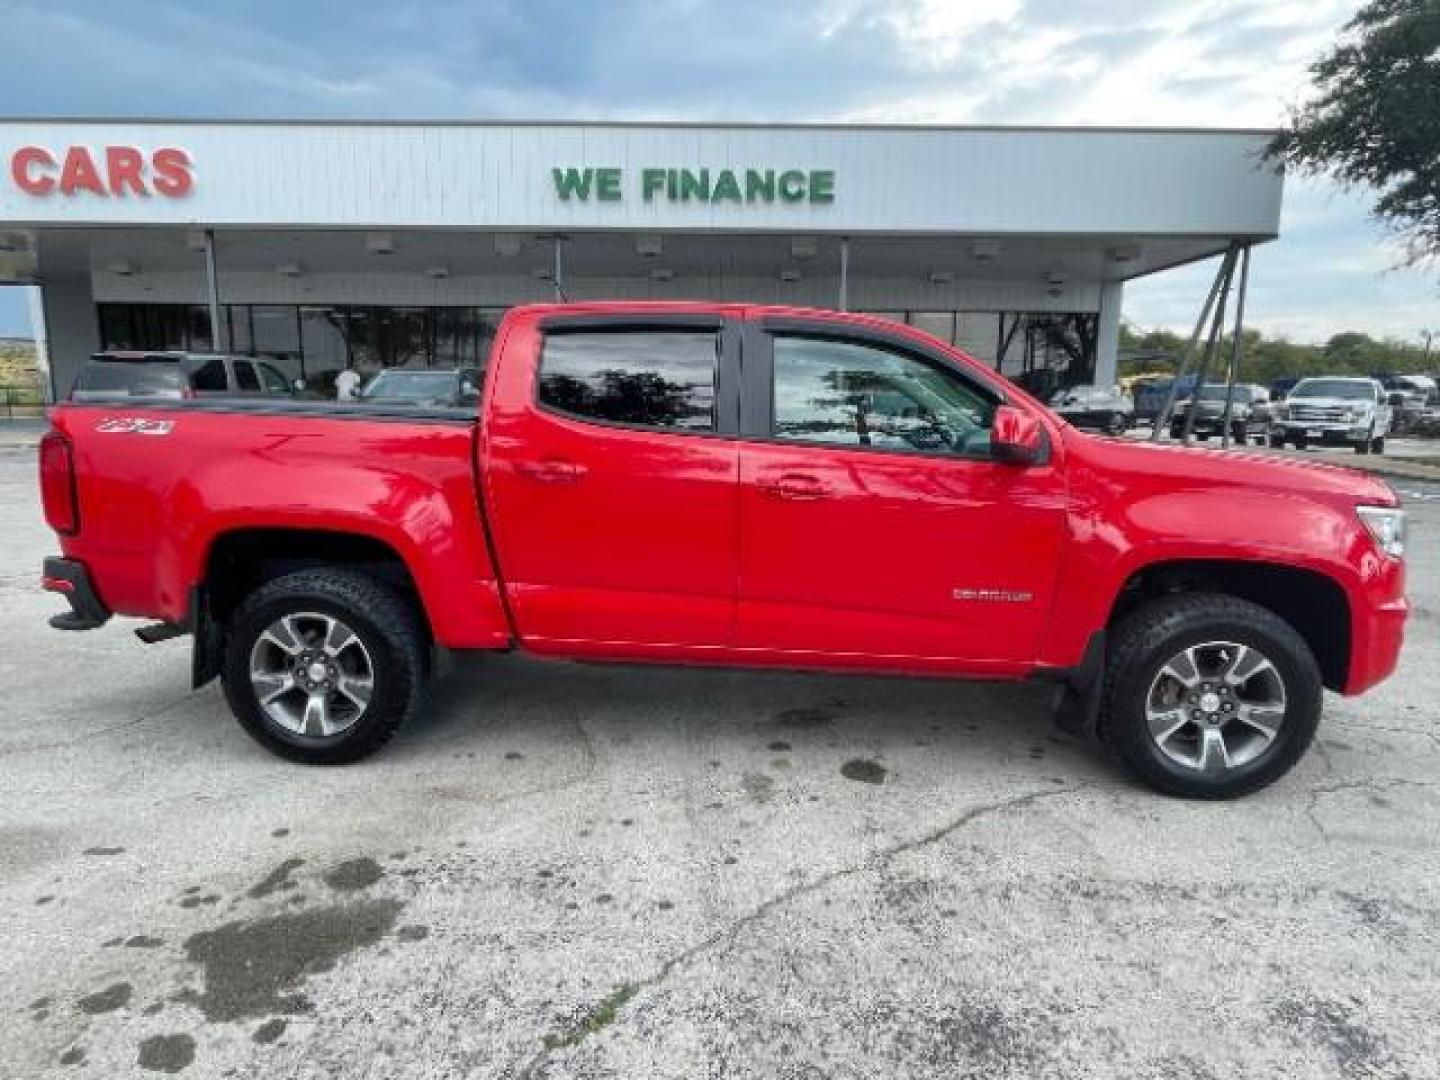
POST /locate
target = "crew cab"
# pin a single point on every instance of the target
(732, 485)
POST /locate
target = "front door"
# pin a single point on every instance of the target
(612, 482)
(876, 531)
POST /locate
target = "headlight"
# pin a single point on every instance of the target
(1387, 526)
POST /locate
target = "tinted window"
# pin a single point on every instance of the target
(653, 378)
(854, 394)
(211, 376)
(245, 375)
(275, 383)
(137, 380)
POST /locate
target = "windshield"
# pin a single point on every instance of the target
(1351, 389)
(418, 385)
(1217, 393)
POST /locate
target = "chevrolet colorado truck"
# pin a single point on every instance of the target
(735, 485)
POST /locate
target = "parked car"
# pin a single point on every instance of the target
(1409, 396)
(1249, 412)
(124, 375)
(724, 484)
(1280, 388)
(1096, 408)
(1334, 410)
(423, 387)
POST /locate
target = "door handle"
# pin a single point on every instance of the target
(794, 486)
(551, 472)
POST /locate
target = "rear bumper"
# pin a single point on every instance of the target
(71, 580)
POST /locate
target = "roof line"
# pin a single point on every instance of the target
(746, 125)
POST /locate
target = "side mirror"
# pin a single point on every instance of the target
(1016, 437)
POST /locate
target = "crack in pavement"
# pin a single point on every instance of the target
(1373, 784)
(99, 732)
(728, 933)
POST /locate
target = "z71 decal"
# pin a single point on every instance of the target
(134, 425)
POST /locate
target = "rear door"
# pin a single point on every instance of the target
(875, 528)
(611, 464)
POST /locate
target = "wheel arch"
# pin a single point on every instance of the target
(1315, 604)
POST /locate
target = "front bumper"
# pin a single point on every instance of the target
(1322, 431)
(71, 580)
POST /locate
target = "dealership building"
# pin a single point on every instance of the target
(318, 244)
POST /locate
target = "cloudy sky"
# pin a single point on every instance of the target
(1102, 62)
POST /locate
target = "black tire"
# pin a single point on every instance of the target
(1147, 638)
(1301, 442)
(1378, 445)
(390, 631)
(1277, 441)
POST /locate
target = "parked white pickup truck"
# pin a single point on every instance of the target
(1334, 410)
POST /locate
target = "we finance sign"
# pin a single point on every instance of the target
(682, 185)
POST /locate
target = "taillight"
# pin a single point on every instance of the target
(57, 484)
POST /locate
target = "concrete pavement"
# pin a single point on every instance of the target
(579, 871)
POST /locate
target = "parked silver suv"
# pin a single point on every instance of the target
(1334, 410)
(119, 375)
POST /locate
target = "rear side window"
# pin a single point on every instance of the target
(211, 377)
(134, 380)
(646, 378)
(245, 377)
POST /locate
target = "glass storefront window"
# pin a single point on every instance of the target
(276, 335)
(198, 336)
(240, 337)
(325, 335)
(313, 342)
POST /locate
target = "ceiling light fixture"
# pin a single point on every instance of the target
(380, 244)
(289, 269)
(804, 247)
(985, 250)
(662, 273)
(790, 274)
(941, 277)
(507, 246)
(439, 270)
(648, 246)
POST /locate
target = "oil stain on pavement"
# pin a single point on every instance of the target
(864, 770)
(255, 968)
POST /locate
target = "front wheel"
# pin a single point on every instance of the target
(321, 666)
(1208, 696)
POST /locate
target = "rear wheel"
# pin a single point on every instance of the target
(1377, 445)
(1208, 696)
(321, 666)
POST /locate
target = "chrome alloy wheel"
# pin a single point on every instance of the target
(311, 674)
(1215, 706)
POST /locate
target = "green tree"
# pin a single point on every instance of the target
(1375, 117)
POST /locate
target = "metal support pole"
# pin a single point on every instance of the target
(220, 340)
(1235, 347)
(844, 273)
(558, 273)
(1211, 341)
(1162, 418)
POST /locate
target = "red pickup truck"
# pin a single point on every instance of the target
(738, 485)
